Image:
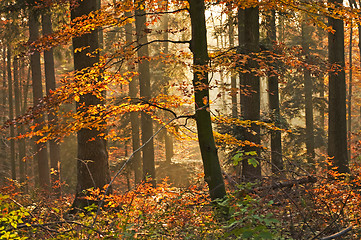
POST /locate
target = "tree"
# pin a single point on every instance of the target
(145, 91)
(251, 102)
(11, 114)
(92, 162)
(134, 116)
(40, 150)
(54, 149)
(308, 89)
(337, 129)
(212, 169)
(274, 102)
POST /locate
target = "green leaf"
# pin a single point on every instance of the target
(253, 162)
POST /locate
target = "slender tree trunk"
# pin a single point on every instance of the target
(92, 163)
(11, 115)
(212, 169)
(233, 76)
(241, 43)
(4, 87)
(308, 89)
(252, 101)
(134, 116)
(40, 150)
(274, 102)
(4, 161)
(21, 142)
(145, 93)
(168, 139)
(54, 148)
(349, 100)
(337, 130)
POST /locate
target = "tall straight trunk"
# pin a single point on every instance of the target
(54, 148)
(212, 169)
(145, 92)
(3, 93)
(168, 139)
(337, 130)
(40, 150)
(134, 116)
(241, 42)
(252, 101)
(11, 115)
(349, 100)
(233, 76)
(4, 161)
(308, 89)
(21, 142)
(274, 101)
(92, 157)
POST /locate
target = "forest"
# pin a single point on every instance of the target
(180, 119)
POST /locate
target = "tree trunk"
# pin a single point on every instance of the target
(145, 92)
(168, 139)
(251, 102)
(212, 169)
(233, 76)
(11, 115)
(349, 100)
(134, 116)
(308, 89)
(274, 101)
(54, 148)
(21, 142)
(92, 157)
(337, 130)
(40, 151)
(4, 161)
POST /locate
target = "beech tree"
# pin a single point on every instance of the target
(54, 149)
(92, 157)
(40, 150)
(212, 169)
(145, 91)
(337, 129)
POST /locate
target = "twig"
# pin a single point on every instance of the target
(339, 234)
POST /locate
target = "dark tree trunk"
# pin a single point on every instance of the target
(337, 130)
(4, 161)
(92, 162)
(308, 90)
(40, 150)
(21, 142)
(349, 100)
(274, 101)
(4, 87)
(145, 93)
(54, 148)
(212, 169)
(11, 115)
(134, 116)
(251, 102)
